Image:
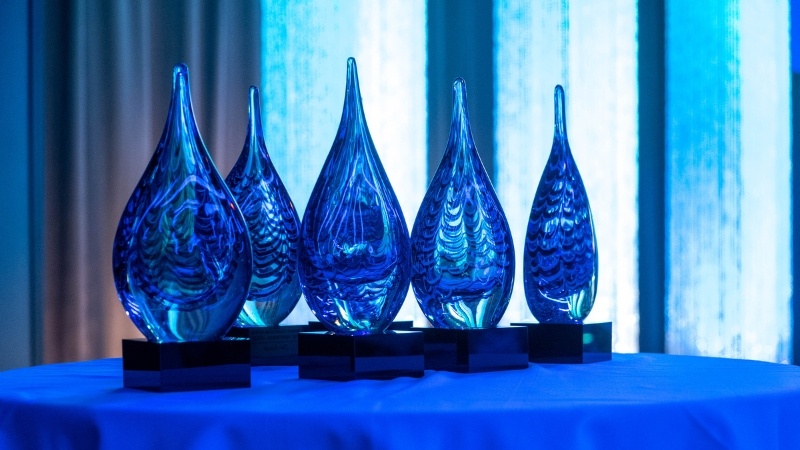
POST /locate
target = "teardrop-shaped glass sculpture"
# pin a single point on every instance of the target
(463, 256)
(560, 259)
(274, 228)
(355, 255)
(182, 261)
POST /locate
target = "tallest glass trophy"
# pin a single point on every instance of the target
(355, 259)
(182, 264)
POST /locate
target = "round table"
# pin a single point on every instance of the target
(633, 401)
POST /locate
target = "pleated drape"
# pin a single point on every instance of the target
(107, 76)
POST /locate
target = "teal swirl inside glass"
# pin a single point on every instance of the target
(273, 224)
(560, 260)
(463, 254)
(354, 254)
(182, 261)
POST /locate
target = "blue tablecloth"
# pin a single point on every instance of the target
(634, 401)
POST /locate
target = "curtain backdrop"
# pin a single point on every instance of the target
(728, 179)
(108, 80)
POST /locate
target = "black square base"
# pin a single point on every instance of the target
(568, 343)
(327, 356)
(185, 366)
(271, 346)
(395, 326)
(480, 350)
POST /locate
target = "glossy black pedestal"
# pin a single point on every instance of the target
(568, 343)
(327, 356)
(185, 366)
(480, 350)
(271, 346)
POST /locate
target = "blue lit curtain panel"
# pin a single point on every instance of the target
(728, 179)
(305, 46)
(590, 48)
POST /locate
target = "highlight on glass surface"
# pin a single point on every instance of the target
(462, 251)
(273, 225)
(354, 254)
(560, 260)
(182, 259)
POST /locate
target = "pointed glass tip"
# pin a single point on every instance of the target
(254, 108)
(352, 96)
(352, 76)
(254, 101)
(560, 111)
(180, 73)
(460, 90)
(253, 95)
(181, 103)
(460, 114)
(180, 69)
(180, 81)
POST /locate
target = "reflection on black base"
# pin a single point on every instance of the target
(568, 343)
(327, 356)
(395, 326)
(186, 366)
(271, 346)
(478, 350)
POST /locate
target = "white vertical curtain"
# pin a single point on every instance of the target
(728, 134)
(305, 49)
(590, 48)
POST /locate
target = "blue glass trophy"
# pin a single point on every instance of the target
(274, 229)
(463, 261)
(560, 261)
(355, 261)
(182, 264)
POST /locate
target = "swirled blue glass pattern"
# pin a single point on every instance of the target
(182, 261)
(355, 255)
(560, 272)
(273, 224)
(463, 256)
